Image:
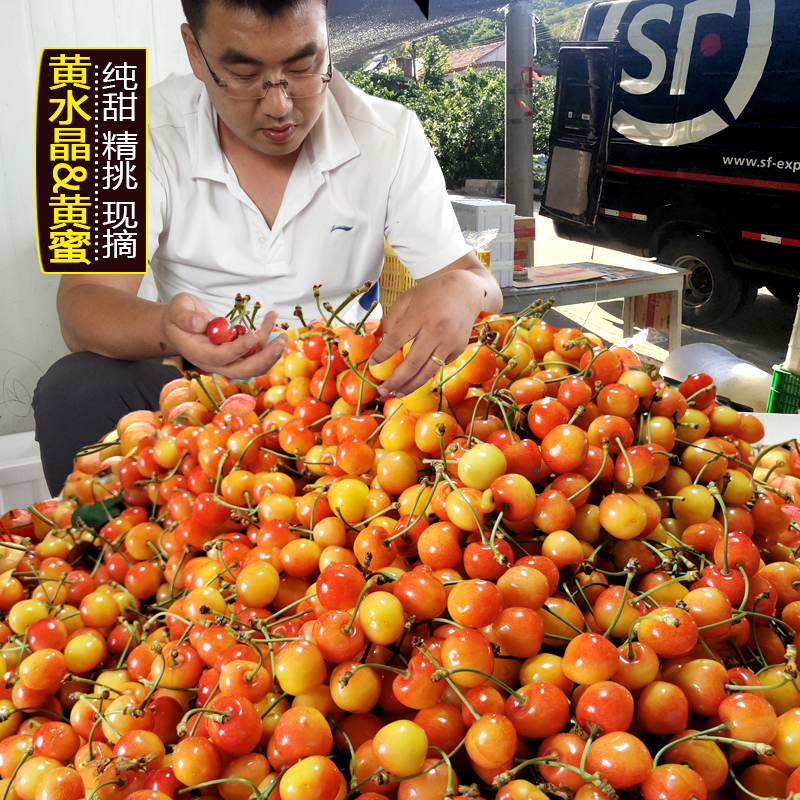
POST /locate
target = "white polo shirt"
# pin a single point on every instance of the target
(365, 171)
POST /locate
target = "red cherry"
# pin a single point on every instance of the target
(220, 330)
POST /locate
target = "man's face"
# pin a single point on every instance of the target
(240, 43)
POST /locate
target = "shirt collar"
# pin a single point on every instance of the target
(207, 158)
(331, 141)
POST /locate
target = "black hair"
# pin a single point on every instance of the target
(195, 10)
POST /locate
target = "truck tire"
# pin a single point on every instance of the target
(714, 290)
(785, 289)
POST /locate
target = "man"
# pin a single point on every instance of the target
(269, 174)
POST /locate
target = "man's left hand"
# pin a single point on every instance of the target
(438, 314)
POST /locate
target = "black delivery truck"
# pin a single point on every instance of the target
(676, 136)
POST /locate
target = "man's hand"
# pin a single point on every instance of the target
(184, 331)
(438, 314)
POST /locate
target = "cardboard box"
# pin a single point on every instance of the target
(652, 310)
(485, 187)
(523, 252)
(524, 227)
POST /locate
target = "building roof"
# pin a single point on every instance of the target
(462, 59)
(361, 28)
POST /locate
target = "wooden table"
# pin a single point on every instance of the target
(617, 282)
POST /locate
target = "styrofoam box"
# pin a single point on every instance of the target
(502, 248)
(21, 477)
(483, 214)
(503, 272)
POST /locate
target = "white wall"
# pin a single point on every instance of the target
(30, 339)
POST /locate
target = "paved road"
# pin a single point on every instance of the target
(759, 334)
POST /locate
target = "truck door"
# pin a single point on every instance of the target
(580, 131)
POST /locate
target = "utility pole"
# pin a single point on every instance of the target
(519, 107)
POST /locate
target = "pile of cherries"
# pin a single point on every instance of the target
(544, 574)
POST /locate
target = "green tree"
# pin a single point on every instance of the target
(465, 121)
(435, 62)
(558, 22)
(543, 95)
(389, 84)
(470, 140)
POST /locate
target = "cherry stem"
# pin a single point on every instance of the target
(764, 450)
(198, 378)
(771, 470)
(448, 795)
(673, 622)
(119, 782)
(723, 727)
(98, 713)
(690, 576)
(498, 556)
(457, 490)
(735, 687)
(26, 755)
(444, 673)
(414, 518)
(254, 789)
(386, 419)
(352, 621)
(345, 677)
(277, 614)
(420, 645)
(701, 391)
(703, 468)
(561, 619)
(595, 779)
(631, 568)
(747, 791)
(216, 716)
(789, 673)
(89, 740)
(605, 445)
(8, 713)
(593, 731)
(250, 676)
(715, 493)
(629, 484)
(275, 703)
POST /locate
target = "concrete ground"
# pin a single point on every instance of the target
(760, 334)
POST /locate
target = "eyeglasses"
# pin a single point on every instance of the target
(255, 88)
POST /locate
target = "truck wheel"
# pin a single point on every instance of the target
(785, 289)
(713, 288)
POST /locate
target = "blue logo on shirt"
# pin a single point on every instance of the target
(341, 228)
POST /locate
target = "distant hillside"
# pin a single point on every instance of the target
(559, 21)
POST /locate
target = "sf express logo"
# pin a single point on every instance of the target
(655, 29)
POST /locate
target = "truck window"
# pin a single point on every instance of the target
(579, 136)
(583, 99)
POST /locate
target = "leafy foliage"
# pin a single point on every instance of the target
(543, 97)
(463, 121)
(471, 33)
(434, 63)
(558, 22)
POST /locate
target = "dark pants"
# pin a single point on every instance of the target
(82, 397)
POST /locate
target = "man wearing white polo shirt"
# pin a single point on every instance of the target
(268, 175)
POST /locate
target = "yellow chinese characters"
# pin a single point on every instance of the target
(70, 232)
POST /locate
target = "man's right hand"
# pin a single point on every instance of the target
(184, 331)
